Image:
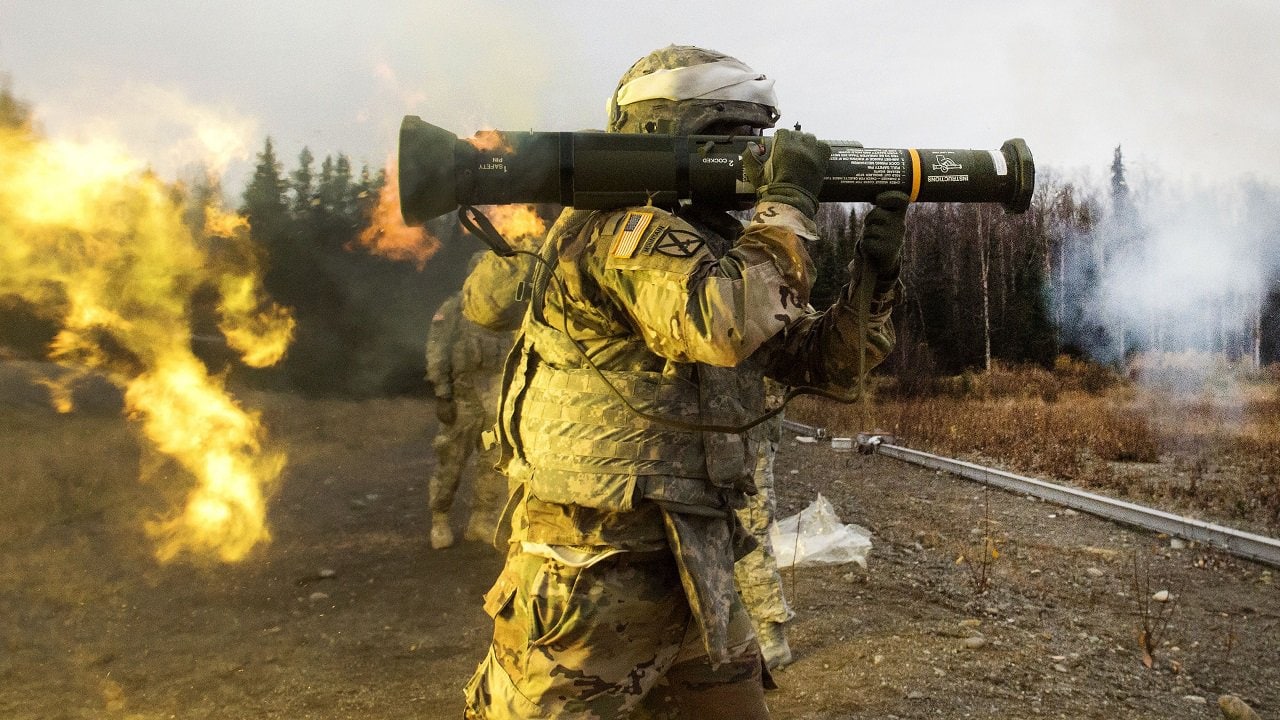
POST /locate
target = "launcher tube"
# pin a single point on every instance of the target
(593, 170)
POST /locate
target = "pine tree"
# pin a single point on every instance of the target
(1120, 208)
(1123, 240)
(264, 197)
(1120, 199)
(302, 184)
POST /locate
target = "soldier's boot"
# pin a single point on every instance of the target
(1233, 708)
(773, 645)
(441, 533)
(481, 527)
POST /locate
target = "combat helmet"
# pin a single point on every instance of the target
(685, 90)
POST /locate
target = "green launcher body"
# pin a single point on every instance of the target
(439, 172)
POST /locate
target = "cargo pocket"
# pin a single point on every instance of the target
(531, 604)
(505, 604)
(503, 678)
(499, 596)
(491, 692)
(557, 602)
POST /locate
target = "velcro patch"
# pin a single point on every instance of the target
(676, 242)
(628, 239)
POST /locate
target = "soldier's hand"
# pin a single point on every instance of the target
(446, 410)
(790, 172)
(883, 231)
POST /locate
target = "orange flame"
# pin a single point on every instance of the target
(260, 332)
(387, 235)
(519, 224)
(87, 237)
(490, 140)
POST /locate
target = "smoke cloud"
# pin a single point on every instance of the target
(1177, 287)
(170, 130)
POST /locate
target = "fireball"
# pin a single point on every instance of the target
(387, 235)
(88, 237)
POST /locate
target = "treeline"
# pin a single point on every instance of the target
(976, 285)
(1095, 273)
(1076, 274)
(1086, 272)
(361, 319)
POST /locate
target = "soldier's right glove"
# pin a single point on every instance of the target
(791, 172)
(446, 410)
(883, 231)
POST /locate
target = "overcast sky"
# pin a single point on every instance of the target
(1190, 88)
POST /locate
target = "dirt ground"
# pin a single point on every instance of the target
(347, 613)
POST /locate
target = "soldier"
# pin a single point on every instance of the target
(464, 361)
(756, 574)
(638, 365)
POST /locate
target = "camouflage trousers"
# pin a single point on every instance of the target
(610, 640)
(756, 573)
(454, 445)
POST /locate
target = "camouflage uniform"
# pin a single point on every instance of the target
(617, 598)
(756, 574)
(464, 361)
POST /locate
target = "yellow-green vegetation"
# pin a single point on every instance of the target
(1184, 430)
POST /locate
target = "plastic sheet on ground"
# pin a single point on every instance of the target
(815, 536)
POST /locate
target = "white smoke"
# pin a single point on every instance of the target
(1186, 275)
(1182, 282)
(162, 124)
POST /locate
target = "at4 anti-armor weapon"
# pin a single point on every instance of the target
(594, 170)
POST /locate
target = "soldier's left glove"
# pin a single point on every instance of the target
(792, 172)
(883, 231)
(446, 410)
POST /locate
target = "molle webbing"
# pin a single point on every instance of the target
(577, 443)
(571, 422)
(583, 448)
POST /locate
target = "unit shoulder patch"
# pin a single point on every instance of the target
(657, 240)
(675, 242)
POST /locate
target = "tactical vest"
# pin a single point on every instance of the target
(571, 440)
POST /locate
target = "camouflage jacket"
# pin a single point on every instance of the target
(684, 315)
(460, 352)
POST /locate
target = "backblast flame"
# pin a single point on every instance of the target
(89, 239)
(519, 224)
(387, 235)
(486, 140)
(259, 332)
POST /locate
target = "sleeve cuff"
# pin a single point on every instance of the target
(884, 300)
(786, 216)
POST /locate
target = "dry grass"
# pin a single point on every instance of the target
(1189, 432)
(91, 463)
(47, 471)
(1211, 446)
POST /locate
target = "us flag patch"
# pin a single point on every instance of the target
(633, 227)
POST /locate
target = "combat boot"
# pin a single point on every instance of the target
(773, 645)
(441, 533)
(480, 527)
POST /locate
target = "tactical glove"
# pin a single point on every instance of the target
(446, 410)
(791, 172)
(882, 233)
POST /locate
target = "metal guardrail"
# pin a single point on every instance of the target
(1236, 542)
(811, 431)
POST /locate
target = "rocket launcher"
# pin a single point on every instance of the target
(595, 170)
